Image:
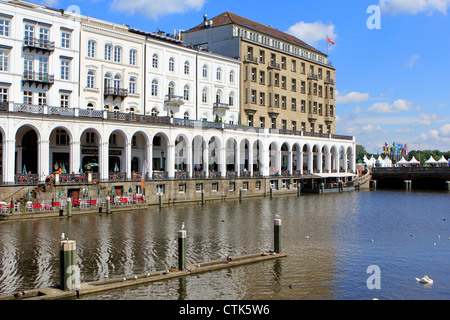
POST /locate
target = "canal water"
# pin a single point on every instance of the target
(331, 241)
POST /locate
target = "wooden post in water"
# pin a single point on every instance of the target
(69, 207)
(68, 264)
(203, 197)
(277, 234)
(182, 248)
(108, 205)
(299, 188)
(322, 188)
(448, 185)
(160, 199)
(271, 193)
(240, 194)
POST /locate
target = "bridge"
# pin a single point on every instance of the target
(432, 178)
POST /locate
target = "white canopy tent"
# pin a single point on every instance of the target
(442, 160)
(414, 161)
(431, 161)
(369, 162)
(403, 161)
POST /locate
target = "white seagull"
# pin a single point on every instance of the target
(425, 280)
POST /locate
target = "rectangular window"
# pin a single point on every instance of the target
(250, 120)
(261, 99)
(117, 54)
(91, 49)
(65, 69)
(108, 49)
(303, 106)
(257, 185)
(28, 97)
(42, 98)
(198, 187)
(231, 186)
(262, 122)
(215, 186)
(4, 60)
(133, 57)
(65, 39)
(65, 100)
(182, 188)
(4, 27)
(29, 32)
(245, 186)
(160, 188)
(3, 94)
(44, 33)
(294, 104)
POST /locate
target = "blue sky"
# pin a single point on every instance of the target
(393, 83)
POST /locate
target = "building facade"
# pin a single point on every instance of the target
(286, 84)
(132, 104)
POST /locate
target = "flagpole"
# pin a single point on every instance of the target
(327, 45)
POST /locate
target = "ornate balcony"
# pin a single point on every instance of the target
(38, 78)
(218, 106)
(38, 44)
(174, 101)
(116, 92)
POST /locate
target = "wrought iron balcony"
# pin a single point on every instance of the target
(312, 76)
(116, 92)
(251, 59)
(173, 100)
(329, 81)
(39, 44)
(38, 78)
(274, 65)
(218, 106)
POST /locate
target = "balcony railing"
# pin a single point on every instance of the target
(274, 65)
(312, 76)
(174, 100)
(221, 106)
(116, 92)
(329, 81)
(39, 44)
(251, 59)
(38, 77)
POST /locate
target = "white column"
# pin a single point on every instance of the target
(9, 150)
(328, 161)
(223, 161)
(250, 159)
(75, 156)
(237, 160)
(170, 161)
(265, 160)
(290, 163)
(319, 161)
(189, 160)
(310, 162)
(128, 160)
(300, 162)
(43, 159)
(206, 160)
(103, 155)
(149, 154)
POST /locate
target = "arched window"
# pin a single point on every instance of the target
(131, 109)
(171, 64)
(186, 115)
(231, 99)
(90, 78)
(219, 74)
(231, 76)
(132, 88)
(186, 67)
(154, 87)
(154, 112)
(205, 95)
(219, 96)
(205, 71)
(108, 80)
(205, 117)
(90, 106)
(171, 88)
(116, 108)
(186, 93)
(117, 81)
(155, 61)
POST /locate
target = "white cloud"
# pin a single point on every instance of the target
(352, 97)
(155, 8)
(414, 6)
(412, 61)
(50, 3)
(385, 107)
(312, 33)
(445, 131)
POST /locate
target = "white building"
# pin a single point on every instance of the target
(184, 83)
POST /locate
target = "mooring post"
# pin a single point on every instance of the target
(203, 197)
(160, 195)
(448, 185)
(108, 205)
(271, 193)
(322, 187)
(68, 264)
(299, 189)
(277, 234)
(69, 207)
(240, 194)
(182, 248)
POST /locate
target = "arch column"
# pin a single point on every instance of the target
(310, 162)
(171, 161)
(149, 154)
(104, 163)
(223, 161)
(300, 162)
(9, 161)
(237, 159)
(328, 161)
(189, 166)
(75, 155)
(290, 162)
(43, 158)
(265, 160)
(206, 160)
(250, 159)
(319, 161)
(128, 160)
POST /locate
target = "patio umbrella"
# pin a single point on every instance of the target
(81, 169)
(113, 190)
(131, 189)
(116, 168)
(60, 194)
(86, 191)
(93, 164)
(63, 170)
(99, 191)
(29, 193)
(24, 171)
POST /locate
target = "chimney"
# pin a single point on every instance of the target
(205, 20)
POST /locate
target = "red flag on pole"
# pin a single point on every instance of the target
(329, 40)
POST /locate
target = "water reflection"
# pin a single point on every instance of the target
(327, 238)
